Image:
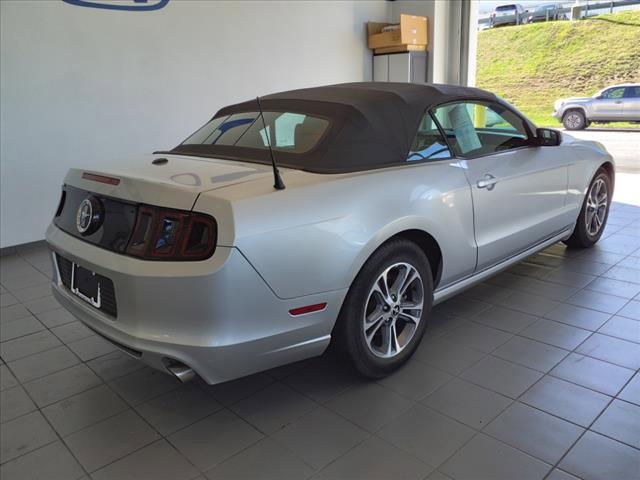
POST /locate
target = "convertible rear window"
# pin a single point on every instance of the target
(286, 131)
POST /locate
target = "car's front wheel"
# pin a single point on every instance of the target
(384, 315)
(574, 120)
(593, 214)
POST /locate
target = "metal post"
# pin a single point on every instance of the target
(611, 7)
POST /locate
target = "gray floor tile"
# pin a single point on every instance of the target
(214, 439)
(28, 345)
(369, 405)
(595, 374)
(24, 434)
(528, 303)
(584, 266)
(622, 327)
(51, 462)
(539, 434)
(114, 365)
(323, 378)
(110, 440)
(19, 328)
(614, 287)
(178, 408)
(549, 290)
(595, 457)
(501, 376)
(320, 436)
(532, 354)
(631, 310)
(91, 347)
(15, 283)
(55, 317)
(84, 409)
(557, 474)
(556, 334)
(467, 403)
(620, 421)
(620, 272)
(610, 349)
(265, 460)
(426, 434)
(486, 458)
(158, 461)
(14, 402)
(569, 278)
(376, 459)
(14, 312)
(273, 408)
(597, 301)
(478, 337)
(143, 385)
(32, 293)
(631, 393)
(451, 358)
(505, 319)
(566, 400)
(44, 305)
(72, 332)
(487, 292)
(415, 380)
(60, 385)
(7, 299)
(436, 475)
(43, 363)
(7, 380)
(578, 316)
(464, 307)
(228, 393)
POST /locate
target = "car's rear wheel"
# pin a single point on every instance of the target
(574, 120)
(593, 214)
(384, 315)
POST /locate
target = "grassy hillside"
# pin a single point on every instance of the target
(533, 65)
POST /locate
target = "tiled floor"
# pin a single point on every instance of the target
(533, 374)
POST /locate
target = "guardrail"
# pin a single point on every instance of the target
(582, 11)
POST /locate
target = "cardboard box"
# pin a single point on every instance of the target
(412, 31)
(400, 49)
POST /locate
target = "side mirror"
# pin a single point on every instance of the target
(548, 137)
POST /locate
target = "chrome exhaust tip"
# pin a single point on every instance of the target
(182, 372)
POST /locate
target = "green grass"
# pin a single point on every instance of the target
(532, 66)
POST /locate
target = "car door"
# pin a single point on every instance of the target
(609, 104)
(631, 103)
(518, 190)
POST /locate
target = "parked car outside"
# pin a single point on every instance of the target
(618, 103)
(549, 11)
(339, 215)
(511, 14)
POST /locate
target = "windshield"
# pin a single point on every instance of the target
(286, 131)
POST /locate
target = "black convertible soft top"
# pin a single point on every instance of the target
(372, 124)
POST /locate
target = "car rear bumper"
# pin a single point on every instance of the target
(217, 316)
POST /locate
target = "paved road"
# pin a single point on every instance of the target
(623, 145)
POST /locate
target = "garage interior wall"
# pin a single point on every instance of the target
(82, 86)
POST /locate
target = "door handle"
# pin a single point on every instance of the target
(488, 182)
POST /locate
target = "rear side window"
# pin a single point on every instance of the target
(617, 92)
(505, 8)
(286, 131)
(475, 129)
(429, 143)
(633, 92)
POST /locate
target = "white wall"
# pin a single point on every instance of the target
(82, 86)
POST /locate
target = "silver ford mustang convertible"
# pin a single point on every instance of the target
(336, 214)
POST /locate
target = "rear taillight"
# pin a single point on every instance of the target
(163, 234)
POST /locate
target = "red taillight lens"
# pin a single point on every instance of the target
(163, 234)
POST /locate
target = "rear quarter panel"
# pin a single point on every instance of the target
(315, 235)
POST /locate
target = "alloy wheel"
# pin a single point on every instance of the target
(596, 207)
(573, 120)
(393, 310)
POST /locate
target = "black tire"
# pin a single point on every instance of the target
(583, 235)
(574, 120)
(350, 326)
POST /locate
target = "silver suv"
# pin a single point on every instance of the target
(618, 103)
